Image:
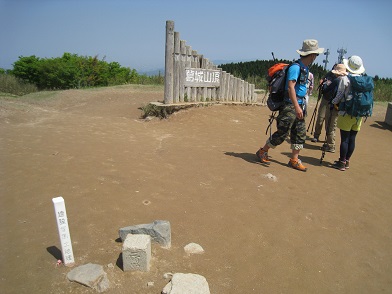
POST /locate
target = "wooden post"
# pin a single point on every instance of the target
(176, 73)
(227, 86)
(222, 89)
(247, 92)
(63, 229)
(235, 92)
(253, 93)
(168, 96)
(194, 58)
(188, 63)
(242, 89)
(182, 71)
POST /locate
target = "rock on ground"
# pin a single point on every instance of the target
(187, 283)
(90, 275)
(193, 248)
(159, 231)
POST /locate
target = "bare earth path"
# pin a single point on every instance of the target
(323, 231)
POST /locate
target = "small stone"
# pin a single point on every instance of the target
(193, 248)
(167, 276)
(271, 177)
(150, 284)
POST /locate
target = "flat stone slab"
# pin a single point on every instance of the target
(187, 283)
(90, 275)
(159, 231)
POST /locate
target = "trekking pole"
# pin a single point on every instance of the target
(270, 120)
(313, 118)
(314, 122)
(273, 56)
(264, 100)
(325, 145)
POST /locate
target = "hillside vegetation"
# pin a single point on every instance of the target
(71, 71)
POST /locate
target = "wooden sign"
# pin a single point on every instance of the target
(63, 228)
(198, 77)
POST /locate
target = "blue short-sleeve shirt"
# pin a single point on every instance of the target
(294, 74)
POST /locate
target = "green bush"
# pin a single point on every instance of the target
(383, 89)
(71, 71)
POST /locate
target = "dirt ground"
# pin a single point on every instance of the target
(264, 229)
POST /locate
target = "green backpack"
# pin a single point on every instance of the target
(361, 104)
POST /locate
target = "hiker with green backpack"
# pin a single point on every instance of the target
(291, 121)
(355, 99)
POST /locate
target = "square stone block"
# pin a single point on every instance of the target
(136, 253)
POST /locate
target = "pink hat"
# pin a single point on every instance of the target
(339, 70)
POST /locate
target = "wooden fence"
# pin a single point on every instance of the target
(189, 77)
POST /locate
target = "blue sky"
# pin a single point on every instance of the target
(132, 32)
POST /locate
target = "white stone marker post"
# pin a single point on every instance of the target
(62, 225)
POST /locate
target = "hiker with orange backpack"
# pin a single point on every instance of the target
(291, 121)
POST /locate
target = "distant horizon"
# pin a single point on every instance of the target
(156, 70)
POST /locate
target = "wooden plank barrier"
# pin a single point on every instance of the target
(189, 77)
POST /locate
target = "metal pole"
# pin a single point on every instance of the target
(341, 52)
(326, 53)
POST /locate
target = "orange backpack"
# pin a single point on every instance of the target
(276, 79)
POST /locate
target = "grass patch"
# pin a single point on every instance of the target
(160, 111)
(11, 85)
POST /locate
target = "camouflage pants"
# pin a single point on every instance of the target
(288, 124)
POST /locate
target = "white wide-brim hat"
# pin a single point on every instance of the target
(310, 46)
(354, 64)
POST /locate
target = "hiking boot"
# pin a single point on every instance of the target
(262, 155)
(315, 139)
(340, 165)
(347, 164)
(328, 148)
(297, 164)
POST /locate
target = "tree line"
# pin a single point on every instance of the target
(255, 72)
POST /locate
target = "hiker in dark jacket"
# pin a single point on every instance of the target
(290, 120)
(349, 126)
(327, 112)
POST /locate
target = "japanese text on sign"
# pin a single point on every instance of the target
(62, 225)
(198, 77)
